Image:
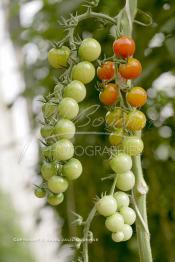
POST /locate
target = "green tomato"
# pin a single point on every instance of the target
(72, 169)
(122, 199)
(47, 152)
(48, 170)
(63, 150)
(57, 184)
(125, 181)
(55, 199)
(133, 145)
(127, 231)
(75, 90)
(121, 163)
(89, 49)
(46, 131)
(116, 137)
(118, 237)
(49, 109)
(40, 192)
(84, 72)
(68, 108)
(58, 57)
(106, 206)
(64, 129)
(128, 214)
(114, 223)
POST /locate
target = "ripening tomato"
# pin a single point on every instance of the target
(136, 96)
(136, 120)
(116, 118)
(131, 70)
(124, 47)
(116, 137)
(106, 71)
(109, 95)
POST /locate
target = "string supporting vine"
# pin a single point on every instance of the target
(78, 61)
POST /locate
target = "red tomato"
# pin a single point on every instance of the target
(109, 95)
(131, 70)
(106, 71)
(136, 96)
(124, 47)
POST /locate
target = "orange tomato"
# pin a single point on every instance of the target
(136, 96)
(110, 94)
(106, 71)
(131, 70)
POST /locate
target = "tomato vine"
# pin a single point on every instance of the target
(125, 122)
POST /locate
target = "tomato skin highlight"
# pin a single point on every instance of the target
(124, 47)
(137, 96)
(131, 70)
(106, 71)
(109, 95)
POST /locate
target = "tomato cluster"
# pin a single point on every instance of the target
(123, 67)
(123, 120)
(59, 165)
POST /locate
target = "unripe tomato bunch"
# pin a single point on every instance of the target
(59, 166)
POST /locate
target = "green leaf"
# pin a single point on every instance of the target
(128, 15)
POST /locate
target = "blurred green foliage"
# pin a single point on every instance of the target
(159, 135)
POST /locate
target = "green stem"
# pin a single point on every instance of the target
(86, 233)
(113, 185)
(140, 191)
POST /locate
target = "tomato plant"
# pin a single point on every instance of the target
(75, 60)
